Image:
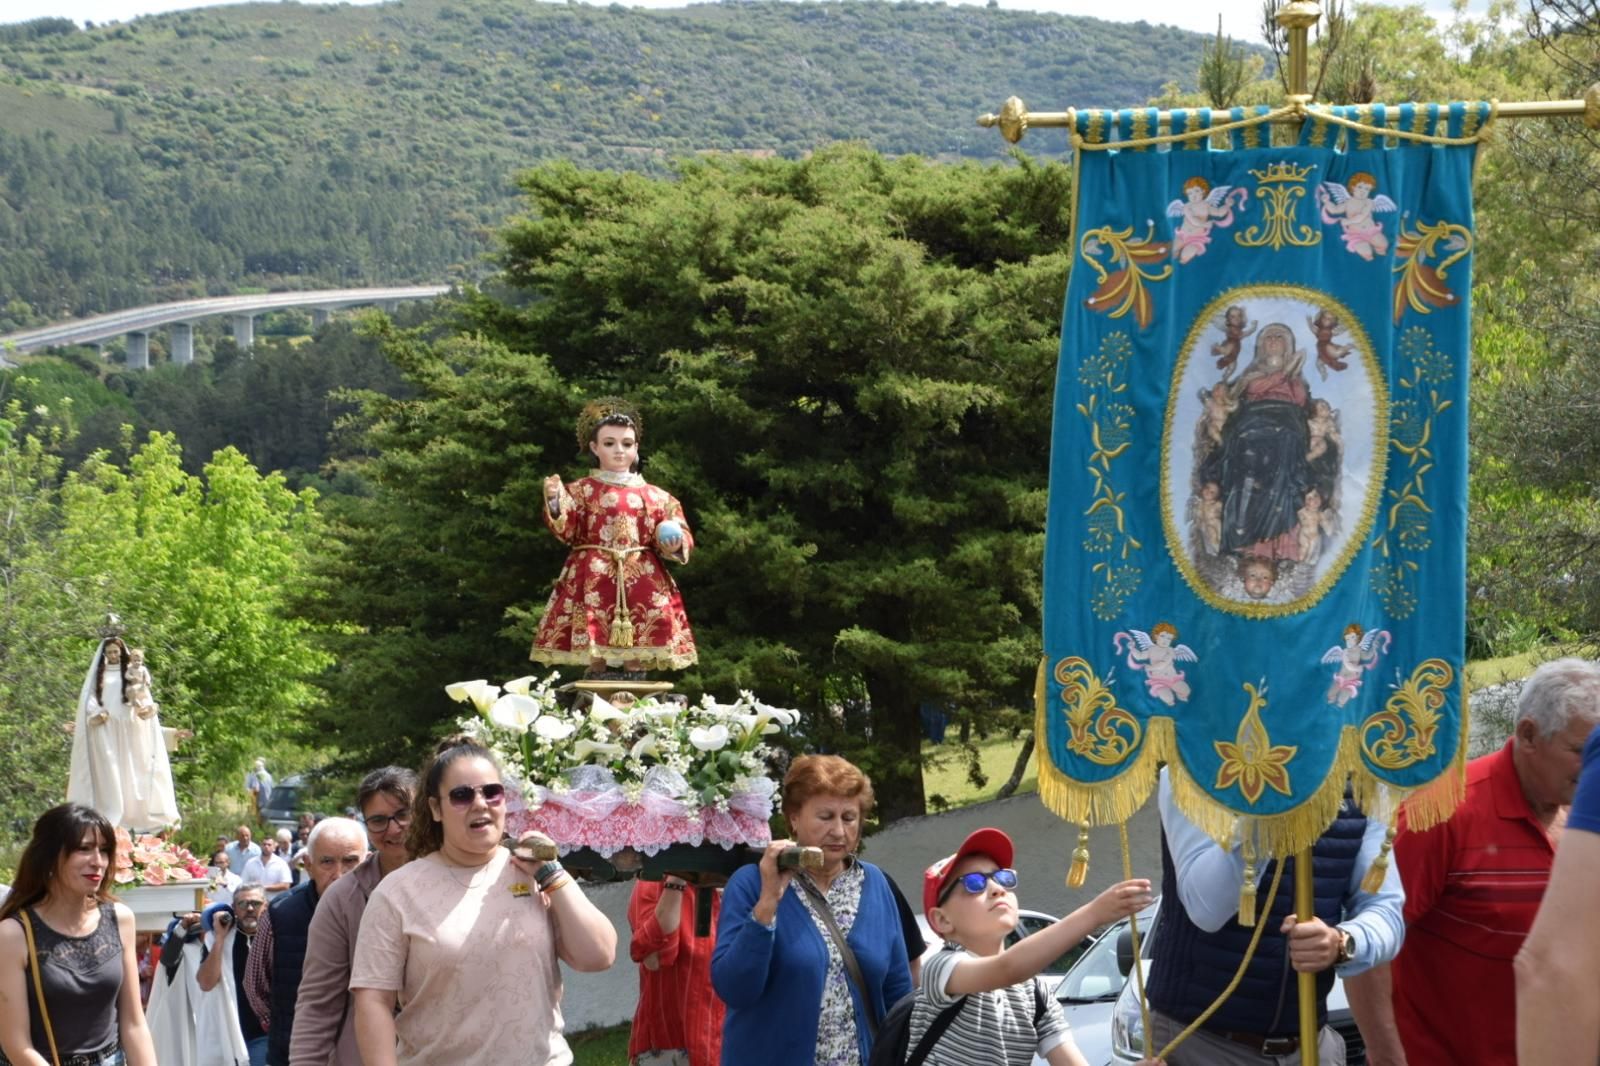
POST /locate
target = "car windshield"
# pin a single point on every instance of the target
(1096, 977)
(284, 798)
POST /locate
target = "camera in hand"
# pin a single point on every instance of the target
(793, 857)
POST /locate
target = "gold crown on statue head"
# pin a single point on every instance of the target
(597, 411)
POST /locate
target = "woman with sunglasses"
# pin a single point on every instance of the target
(464, 940)
(324, 1034)
(808, 962)
(61, 931)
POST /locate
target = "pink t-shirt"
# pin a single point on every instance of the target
(472, 954)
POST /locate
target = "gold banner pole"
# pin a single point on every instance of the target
(1304, 908)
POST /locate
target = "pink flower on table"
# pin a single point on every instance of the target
(155, 874)
(123, 875)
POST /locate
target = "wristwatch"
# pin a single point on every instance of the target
(1347, 947)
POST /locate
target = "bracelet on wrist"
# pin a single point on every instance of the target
(555, 886)
(674, 887)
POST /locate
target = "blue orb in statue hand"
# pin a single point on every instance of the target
(669, 534)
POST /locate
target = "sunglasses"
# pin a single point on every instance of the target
(978, 880)
(461, 796)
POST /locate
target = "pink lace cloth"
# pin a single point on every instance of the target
(607, 823)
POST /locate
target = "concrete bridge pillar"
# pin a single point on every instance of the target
(389, 307)
(181, 341)
(244, 331)
(138, 351)
(319, 317)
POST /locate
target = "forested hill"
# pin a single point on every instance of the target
(282, 144)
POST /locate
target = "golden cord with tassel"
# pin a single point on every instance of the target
(1078, 873)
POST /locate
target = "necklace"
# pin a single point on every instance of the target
(475, 878)
(624, 478)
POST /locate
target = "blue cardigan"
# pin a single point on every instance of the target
(772, 981)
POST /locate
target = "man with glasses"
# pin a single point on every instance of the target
(324, 1031)
(272, 976)
(225, 965)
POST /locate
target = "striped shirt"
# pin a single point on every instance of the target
(995, 1028)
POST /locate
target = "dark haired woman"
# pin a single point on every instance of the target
(614, 602)
(464, 940)
(81, 952)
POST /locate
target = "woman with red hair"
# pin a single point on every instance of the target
(817, 955)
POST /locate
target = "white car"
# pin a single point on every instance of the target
(1102, 1005)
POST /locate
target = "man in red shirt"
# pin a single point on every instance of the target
(679, 1018)
(1473, 886)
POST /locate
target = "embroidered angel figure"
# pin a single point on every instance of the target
(1216, 404)
(1330, 353)
(1322, 430)
(1234, 332)
(1358, 654)
(1355, 209)
(1201, 208)
(1156, 655)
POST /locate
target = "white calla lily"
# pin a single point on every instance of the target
(585, 750)
(512, 711)
(549, 727)
(521, 685)
(603, 711)
(714, 738)
(480, 692)
(645, 746)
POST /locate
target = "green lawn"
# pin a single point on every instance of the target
(600, 1047)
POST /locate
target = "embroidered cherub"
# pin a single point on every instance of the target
(1322, 430)
(1201, 208)
(1358, 654)
(1314, 523)
(1355, 209)
(1330, 353)
(1156, 655)
(1234, 332)
(1217, 403)
(1257, 575)
(1208, 517)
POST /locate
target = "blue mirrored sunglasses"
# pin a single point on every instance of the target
(976, 881)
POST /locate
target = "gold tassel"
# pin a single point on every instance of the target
(1247, 891)
(1079, 872)
(1380, 866)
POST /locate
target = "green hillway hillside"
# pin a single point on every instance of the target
(284, 145)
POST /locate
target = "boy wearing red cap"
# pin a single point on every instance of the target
(969, 900)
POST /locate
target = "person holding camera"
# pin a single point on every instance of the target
(221, 975)
(456, 961)
(818, 955)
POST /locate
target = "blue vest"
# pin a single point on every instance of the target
(291, 920)
(1191, 967)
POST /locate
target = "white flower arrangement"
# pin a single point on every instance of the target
(697, 756)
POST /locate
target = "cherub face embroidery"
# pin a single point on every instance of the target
(1354, 208)
(1157, 656)
(1358, 653)
(1201, 208)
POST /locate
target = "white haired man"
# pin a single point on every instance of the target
(1474, 884)
(272, 976)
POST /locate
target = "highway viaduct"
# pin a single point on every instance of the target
(136, 322)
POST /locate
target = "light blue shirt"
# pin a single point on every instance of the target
(1209, 880)
(239, 855)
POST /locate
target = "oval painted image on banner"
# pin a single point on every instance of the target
(1276, 439)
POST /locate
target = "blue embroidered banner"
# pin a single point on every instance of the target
(1256, 542)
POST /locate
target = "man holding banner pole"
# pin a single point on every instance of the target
(1203, 942)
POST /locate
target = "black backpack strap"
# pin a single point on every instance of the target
(924, 1047)
(1041, 1004)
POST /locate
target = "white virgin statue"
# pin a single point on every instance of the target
(119, 750)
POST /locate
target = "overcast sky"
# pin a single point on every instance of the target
(1239, 16)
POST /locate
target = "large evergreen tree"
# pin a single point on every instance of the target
(845, 367)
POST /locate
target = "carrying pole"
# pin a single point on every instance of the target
(1304, 908)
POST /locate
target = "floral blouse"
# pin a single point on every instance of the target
(837, 1043)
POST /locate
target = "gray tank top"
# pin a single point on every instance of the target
(82, 978)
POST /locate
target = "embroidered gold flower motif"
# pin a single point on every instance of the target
(1252, 762)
